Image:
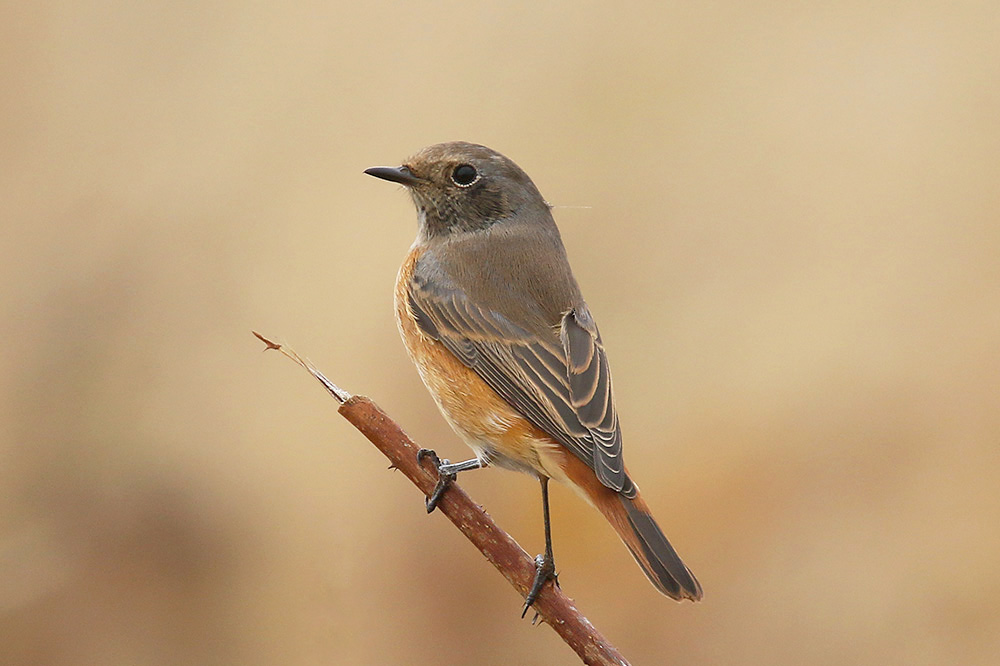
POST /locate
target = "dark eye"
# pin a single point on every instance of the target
(464, 175)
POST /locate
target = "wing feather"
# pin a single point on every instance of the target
(560, 383)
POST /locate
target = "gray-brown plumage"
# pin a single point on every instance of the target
(496, 324)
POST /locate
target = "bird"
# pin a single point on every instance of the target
(494, 320)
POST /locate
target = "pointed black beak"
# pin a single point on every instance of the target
(401, 174)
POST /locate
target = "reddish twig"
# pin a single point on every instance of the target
(552, 605)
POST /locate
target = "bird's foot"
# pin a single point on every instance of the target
(445, 477)
(545, 570)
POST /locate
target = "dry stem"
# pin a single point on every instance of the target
(552, 605)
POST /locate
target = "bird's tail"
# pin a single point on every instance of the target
(635, 526)
(645, 540)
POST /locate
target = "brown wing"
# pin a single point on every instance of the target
(560, 382)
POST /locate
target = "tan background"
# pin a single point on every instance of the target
(784, 216)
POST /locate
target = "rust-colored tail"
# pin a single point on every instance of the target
(631, 520)
(644, 538)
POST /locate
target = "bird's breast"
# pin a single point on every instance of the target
(486, 422)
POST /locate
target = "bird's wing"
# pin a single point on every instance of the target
(560, 382)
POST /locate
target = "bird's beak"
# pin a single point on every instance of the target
(400, 174)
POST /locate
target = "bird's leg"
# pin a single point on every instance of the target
(545, 566)
(446, 474)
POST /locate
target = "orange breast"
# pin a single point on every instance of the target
(495, 431)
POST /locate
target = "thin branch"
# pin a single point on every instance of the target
(552, 605)
(338, 393)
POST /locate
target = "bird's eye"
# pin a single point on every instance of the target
(464, 175)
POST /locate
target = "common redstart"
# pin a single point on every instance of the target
(493, 318)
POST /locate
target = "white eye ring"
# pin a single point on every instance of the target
(462, 177)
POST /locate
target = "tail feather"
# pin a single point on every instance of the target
(657, 558)
(650, 548)
(635, 526)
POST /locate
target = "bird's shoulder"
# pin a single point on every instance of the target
(515, 272)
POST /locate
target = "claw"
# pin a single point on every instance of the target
(537, 620)
(545, 570)
(443, 480)
(427, 453)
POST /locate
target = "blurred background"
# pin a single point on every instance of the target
(785, 217)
